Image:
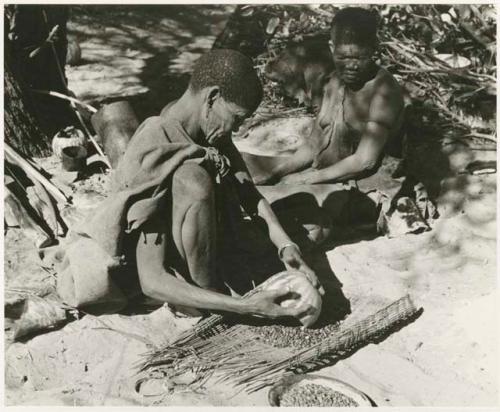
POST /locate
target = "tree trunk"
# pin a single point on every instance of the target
(245, 31)
(21, 127)
(30, 63)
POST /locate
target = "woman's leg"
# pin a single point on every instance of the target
(194, 223)
(185, 239)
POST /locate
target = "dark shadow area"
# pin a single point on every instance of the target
(191, 17)
(335, 306)
(432, 144)
(14, 318)
(124, 26)
(425, 160)
(342, 214)
(53, 328)
(164, 89)
(343, 217)
(309, 225)
(14, 311)
(96, 167)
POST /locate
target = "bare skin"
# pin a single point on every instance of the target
(373, 108)
(209, 120)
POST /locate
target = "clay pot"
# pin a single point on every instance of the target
(115, 123)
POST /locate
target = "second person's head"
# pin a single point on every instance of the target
(353, 43)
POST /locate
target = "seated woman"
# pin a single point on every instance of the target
(360, 116)
(176, 208)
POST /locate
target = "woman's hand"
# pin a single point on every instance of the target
(263, 179)
(263, 303)
(292, 259)
(195, 151)
(295, 179)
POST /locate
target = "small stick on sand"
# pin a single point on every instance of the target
(35, 174)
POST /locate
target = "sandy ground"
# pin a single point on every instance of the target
(447, 357)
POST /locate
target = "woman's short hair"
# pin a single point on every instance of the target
(355, 25)
(233, 73)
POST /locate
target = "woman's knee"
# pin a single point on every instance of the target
(193, 181)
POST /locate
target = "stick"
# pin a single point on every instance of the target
(47, 209)
(91, 138)
(26, 222)
(88, 107)
(63, 80)
(491, 138)
(35, 174)
(36, 51)
(65, 97)
(473, 35)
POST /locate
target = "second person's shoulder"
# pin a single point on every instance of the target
(385, 83)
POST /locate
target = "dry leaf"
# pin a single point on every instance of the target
(272, 25)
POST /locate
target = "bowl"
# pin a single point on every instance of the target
(275, 137)
(74, 159)
(290, 381)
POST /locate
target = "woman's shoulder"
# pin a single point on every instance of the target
(150, 123)
(385, 82)
(332, 81)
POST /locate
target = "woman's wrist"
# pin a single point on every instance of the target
(243, 306)
(282, 248)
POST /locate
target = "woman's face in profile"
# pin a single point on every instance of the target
(223, 119)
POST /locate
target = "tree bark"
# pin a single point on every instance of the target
(31, 120)
(21, 127)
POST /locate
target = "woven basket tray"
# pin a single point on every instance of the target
(290, 381)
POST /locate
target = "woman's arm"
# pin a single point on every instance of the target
(299, 161)
(255, 204)
(157, 283)
(362, 163)
(385, 109)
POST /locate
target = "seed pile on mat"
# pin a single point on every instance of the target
(313, 394)
(240, 357)
(294, 337)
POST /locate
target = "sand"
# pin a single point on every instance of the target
(447, 357)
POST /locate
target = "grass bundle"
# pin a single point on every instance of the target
(235, 353)
(451, 90)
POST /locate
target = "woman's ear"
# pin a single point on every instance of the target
(331, 45)
(212, 95)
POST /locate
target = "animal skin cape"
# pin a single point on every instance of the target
(94, 248)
